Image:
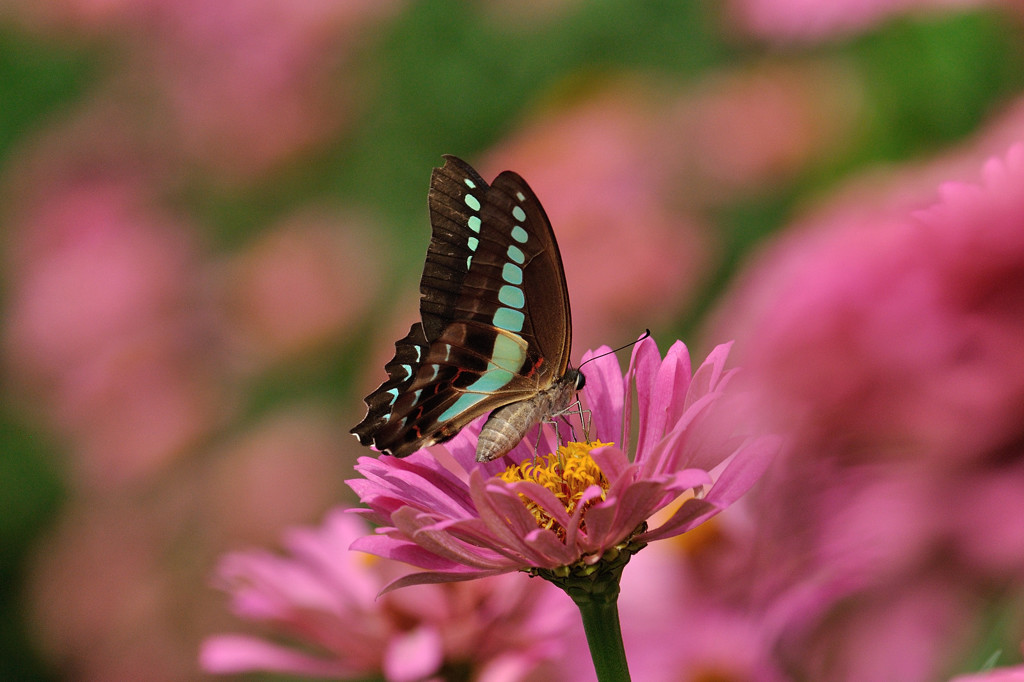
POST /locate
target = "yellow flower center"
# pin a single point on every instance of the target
(567, 474)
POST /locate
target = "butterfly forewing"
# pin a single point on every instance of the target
(455, 224)
(547, 325)
(495, 314)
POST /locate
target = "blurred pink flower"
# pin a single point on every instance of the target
(287, 468)
(325, 598)
(108, 326)
(238, 87)
(810, 20)
(676, 628)
(910, 316)
(92, 261)
(886, 341)
(883, 191)
(909, 629)
(113, 586)
(299, 287)
(72, 16)
(102, 602)
(987, 500)
(441, 512)
(592, 165)
(753, 128)
(250, 84)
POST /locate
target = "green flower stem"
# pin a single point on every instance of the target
(604, 636)
(594, 587)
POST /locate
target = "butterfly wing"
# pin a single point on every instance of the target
(495, 323)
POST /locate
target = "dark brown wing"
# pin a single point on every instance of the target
(495, 315)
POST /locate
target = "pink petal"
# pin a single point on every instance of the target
(708, 440)
(276, 585)
(507, 517)
(326, 552)
(414, 655)
(460, 574)
(630, 475)
(510, 522)
(689, 479)
(225, 654)
(745, 468)
(651, 396)
(423, 531)
(1012, 674)
(373, 517)
(513, 666)
(612, 461)
(613, 520)
(666, 397)
(692, 513)
(401, 550)
(544, 498)
(502, 511)
(707, 376)
(604, 393)
(673, 451)
(678, 359)
(592, 493)
(420, 482)
(548, 551)
(742, 471)
(643, 367)
(463, 446)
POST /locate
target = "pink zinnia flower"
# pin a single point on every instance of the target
(885, 341)
(441, 511)
(290, 290)
(326, 598)
(106, 324)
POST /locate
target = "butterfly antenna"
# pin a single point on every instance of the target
(585, 414)
(647, 332)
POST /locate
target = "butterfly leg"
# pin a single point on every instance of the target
(585, 419)
(552, 420)
(572, 430)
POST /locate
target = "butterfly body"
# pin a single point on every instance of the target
(508, 425)
(495, 326)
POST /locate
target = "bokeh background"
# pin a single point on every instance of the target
(213, 225)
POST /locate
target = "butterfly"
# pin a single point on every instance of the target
(494, 331)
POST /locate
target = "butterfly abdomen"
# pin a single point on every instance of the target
(508, 425)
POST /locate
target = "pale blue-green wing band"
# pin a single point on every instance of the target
(511, 296)
(509, 319)
(512, 273)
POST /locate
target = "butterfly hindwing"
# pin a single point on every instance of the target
(495, 323)
(383, 404)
